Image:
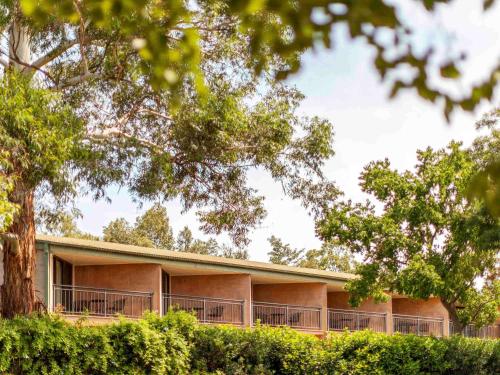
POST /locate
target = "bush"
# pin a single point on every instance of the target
(176, 344)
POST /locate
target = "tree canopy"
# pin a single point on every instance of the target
(169, 38)
(420, 236)
(327, 257)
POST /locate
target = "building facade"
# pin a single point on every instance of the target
(102, 280)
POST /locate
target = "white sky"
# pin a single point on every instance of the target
(341, 86)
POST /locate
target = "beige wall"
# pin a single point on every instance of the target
(303, 294)
(127, 277)
(430, 308)
(427, 308)
(236, 287)
(340, 300)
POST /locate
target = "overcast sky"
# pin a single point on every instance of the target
(341, 86)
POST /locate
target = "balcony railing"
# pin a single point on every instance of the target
(486, 332)
(418, 325)
(354, 320)
(207, 310)
(82, 300)
(300, 317)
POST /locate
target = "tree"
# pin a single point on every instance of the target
(328, 257)
(426, 239)
(82, 106)
(169, 37)
(485, 184)
(185, 239)
(154, 224)
(64, 226)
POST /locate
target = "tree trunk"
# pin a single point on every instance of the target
(18, 290)
(452, 312)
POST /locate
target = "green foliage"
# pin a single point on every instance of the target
(428, 239)
(328, 257)
(39, 135)
(7, 208)
(485, 184)
(176, 344)
(168, 37)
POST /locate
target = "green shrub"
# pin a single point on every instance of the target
(140, 349)
(176, 344)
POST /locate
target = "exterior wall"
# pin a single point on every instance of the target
(426, 308)
(131, 277)
(236, 287)
(41, 276)
(340, 300)
(303, 294)
(430, 308)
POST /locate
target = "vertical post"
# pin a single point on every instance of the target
(243, 304)
(286, 316)
(357, 321)
(46, 266)
(418, 326)
(105, 302)
(204, 310)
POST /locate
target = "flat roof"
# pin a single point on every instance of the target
(161, 254)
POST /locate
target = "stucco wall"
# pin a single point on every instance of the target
(129, 277)
(340, 300)
(237, 287)
(427, 308)
(303, 294)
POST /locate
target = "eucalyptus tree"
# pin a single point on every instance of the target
(420, 236)
(81, 110)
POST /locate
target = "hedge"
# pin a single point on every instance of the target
(176, 344)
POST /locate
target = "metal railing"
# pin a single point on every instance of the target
(354, 320)
(418, 325)
(274, 314)
(486, 332)
(207, 309)
(81, 300)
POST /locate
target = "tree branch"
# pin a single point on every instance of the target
(76, 80)
(53, 54)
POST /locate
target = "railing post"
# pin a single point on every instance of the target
(418, 326)
(243, 306)
(204, 310)
(357, 321)
(105, 303)
(287, 321)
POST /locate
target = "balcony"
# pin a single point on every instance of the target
(299, 317)
(418, 325)
(80, 300)
(207, 310)
(354, 320)
(486, 332)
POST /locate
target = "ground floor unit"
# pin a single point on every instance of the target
(103, 280)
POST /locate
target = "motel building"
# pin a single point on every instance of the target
(104, 280)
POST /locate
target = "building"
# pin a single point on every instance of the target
(101, 280)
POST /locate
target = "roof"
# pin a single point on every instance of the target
(161, 254)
